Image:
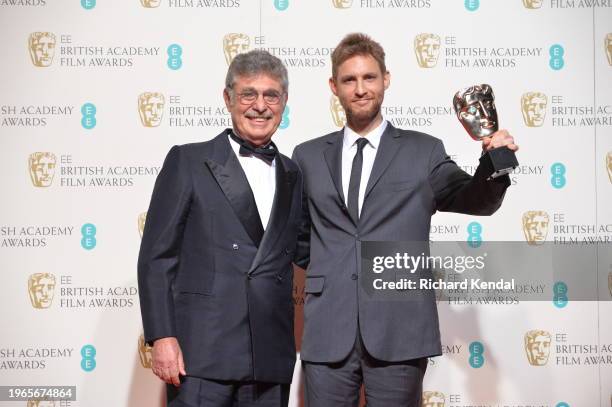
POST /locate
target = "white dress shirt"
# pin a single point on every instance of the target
(262, 179)
(349, 150)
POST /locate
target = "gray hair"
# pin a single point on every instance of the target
(256, 62)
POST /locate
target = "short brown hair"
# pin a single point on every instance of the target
(357, 44)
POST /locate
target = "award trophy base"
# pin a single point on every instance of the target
(499, 161)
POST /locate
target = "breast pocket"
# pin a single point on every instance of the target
(396, 186)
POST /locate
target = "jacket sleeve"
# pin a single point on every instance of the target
(457, 191)
(302, 252)
(160, 247)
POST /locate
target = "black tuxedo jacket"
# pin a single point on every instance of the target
(207, 272)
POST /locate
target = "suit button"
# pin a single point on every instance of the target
(356, 235)
(249, 277)
(353, 276)
(235, 246)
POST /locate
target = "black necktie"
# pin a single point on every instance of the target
(353, 192)
(266, 153)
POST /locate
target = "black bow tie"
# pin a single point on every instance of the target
(266, 153)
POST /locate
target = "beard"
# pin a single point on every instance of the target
(361, 115)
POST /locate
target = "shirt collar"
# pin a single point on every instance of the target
(373, 137)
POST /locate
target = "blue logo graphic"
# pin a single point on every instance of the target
(174, 57)
(562, 404)
(281, 5)
(558, 175)
(474, 238)
(472, 5)
(556, 57)
(476, 354)
(560, 294)
(88, 4)
(88, 363)
(285, 122)
(88, 121)
(88, 240)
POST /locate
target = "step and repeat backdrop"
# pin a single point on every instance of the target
(94, 93)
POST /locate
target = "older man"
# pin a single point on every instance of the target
(214, 270)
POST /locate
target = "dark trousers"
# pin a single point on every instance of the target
(387, 384)
(197, 392)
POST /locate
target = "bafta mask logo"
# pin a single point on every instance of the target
(41, 403)
(234, 44)
(608, 45)
(610, 283)
(609, 164)
(150, 3)
(41, 287)
(537, 347)
(342, 3)
(533, 4)
(42, 168)
(151, 108)
(142, 218)
(533, 106)
(475, 108)
(337, 111)
(144, 351)
(42, 48)
(535, 226)
(433, 399)
(427, 49)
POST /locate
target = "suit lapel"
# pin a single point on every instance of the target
(333, 158)
(232, 180)
(384, 155)
(281, 206)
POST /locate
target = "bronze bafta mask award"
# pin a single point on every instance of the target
(475, 109)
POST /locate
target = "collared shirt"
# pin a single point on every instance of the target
(349, 149)
(262, 180)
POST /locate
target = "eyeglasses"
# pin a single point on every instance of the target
(269, 97)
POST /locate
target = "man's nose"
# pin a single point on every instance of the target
(360, 88)
(260, 105)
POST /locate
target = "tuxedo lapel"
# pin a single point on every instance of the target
(386, 152)
(281, 207)
(333, 158)
(232, 180)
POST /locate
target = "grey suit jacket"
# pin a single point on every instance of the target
(412, 178)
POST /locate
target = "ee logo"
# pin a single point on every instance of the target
(472, 5)
(477, 359)
(88, 361)
(558, 175)
(474, 230)
(285, 122)
(88, 231)
(560, 294)
(556, 62)
(88, 121)
(174, 57)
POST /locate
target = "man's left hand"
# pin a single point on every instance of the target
(499, 139)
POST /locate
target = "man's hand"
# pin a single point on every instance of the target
(168, 360)
(499, 139)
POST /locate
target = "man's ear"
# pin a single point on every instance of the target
(227, 98)
(332, 86)
(387, 79)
